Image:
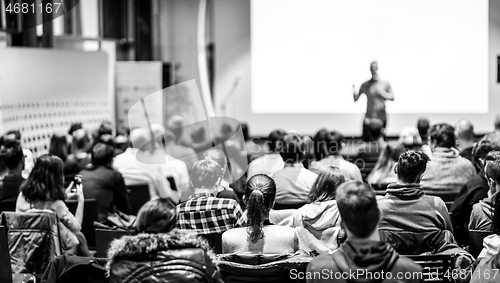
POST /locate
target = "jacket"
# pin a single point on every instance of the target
(358, 259)
(74, 269)
(487, 270)
(491, 246)
(178, 256)
(481, 217)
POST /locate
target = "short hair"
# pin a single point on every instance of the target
(275, 138)
(45, 182)
(411, 165)
(495, 223)
(205, 174)
(294, 148)
(260, 192)
(107, 139)
(490, 142)
(106, 127)
(375, 127)
(59, 146)
(16, 133)
(334, 142)
(216, 155)
(423, 126)
(492, 155)
(443, 134)
(493, 170)
(74, 127)
(102, 154)
(11, 154)
(465, 130)
(325, 186)
(156, 216)
(81, 139)
(358, 208)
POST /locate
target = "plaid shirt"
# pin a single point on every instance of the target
(206, 214)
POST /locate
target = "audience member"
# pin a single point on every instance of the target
(204, 213)
(29, 161)
(489, 266)
(260, 236)
(320, 217)
(327, 148)
(447, 171)
(293, 182)
(104, 184)
(138, 166)
(11, 155)
(253, 149)
(272, 162)
(376, 142)
(474, 190)
(482, 212)
(363, 252)
(174, 145)
(423, 126)
(80, 156)
(44, 191)
(218, 156)
(172, 255)
(405, 207)
(59, 146)
(465, 138)
(383, 172)
(491, 243)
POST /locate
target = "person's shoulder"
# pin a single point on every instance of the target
(323, 262)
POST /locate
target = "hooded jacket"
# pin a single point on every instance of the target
(487, 270)
(363, 262)
(178, 256)
(481, 217)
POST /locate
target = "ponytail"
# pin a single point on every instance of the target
(259, 197)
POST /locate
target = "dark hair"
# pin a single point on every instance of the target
(492, 155)
(11, 154)
(358, 208)
(490, 142)
(294, 148)
(260, 192)
(326, 184)
(495, 224)
(423, 126)
(205, 173)
(74, 127)
(275, 138)
(327, 143)
(102, 155)
(375, 127)
(443, 134)
(387, 158)
(216, 155)
(107, 139)
(411, 165)
(81, 139)
(16, 133)
(59, 146)
(493, 170)
(156, 216)
(106, 127)
(45, 182)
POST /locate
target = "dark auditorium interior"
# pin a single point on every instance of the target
(248, 141)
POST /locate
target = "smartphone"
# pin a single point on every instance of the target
(77, 180)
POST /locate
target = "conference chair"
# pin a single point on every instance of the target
(437, 268)
(6, 275)
(89, 216)
(476, 238)
(138, 195)
(104, 237)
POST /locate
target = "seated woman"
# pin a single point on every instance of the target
(44, 191)
(383, 172)
(260, 235)
(159, 252)
(320, 218)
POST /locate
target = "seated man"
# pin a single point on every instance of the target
(105, 185)
(405, 207)
(376, 142)
(293, 182)
(475, 189)
(363, 251)
(138, 166)
(482, 213)
(11, 154)
(271, 162)
(218, 156)
(204, 213)
(465, 138)
(447, 171)
(29, 161)
(327, 147)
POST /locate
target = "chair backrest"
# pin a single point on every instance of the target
(104, 237)
(437, 268)
(138, 195)
(33, 240)
(215, 241)
(5, 271)
(476, 238)
(89, 216)
(7, 206)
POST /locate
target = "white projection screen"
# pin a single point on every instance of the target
(307, 54)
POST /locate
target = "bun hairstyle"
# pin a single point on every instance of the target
(260, 192)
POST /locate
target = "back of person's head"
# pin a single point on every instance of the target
(205, 174)
(226, 130)
(358, 208)
(260, 192)
(389, 155)
(334, 142)
(45, 182)
(198, 135)
(497, 122)
(74, 127)
(15, 134)
(465, 130)
(411, 165)
(139, 137)
(423, 126)
(59, 146)
(490, 142)
(492, 156)
(293, 149)
(107, 139)
(320, 147)
(326, 184)
(156, 216)
(493, 171)
(375, 128)
(106, 128)
(275, 139)
(443, 135)
(245, 131)
(11, 154)
(216, 155)
(81, 139)
(175, 123)
(495, 224)
(409, 137)
(102, 155)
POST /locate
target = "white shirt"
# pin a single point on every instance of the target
(267, 164)
(350, 170)
(293, 184)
